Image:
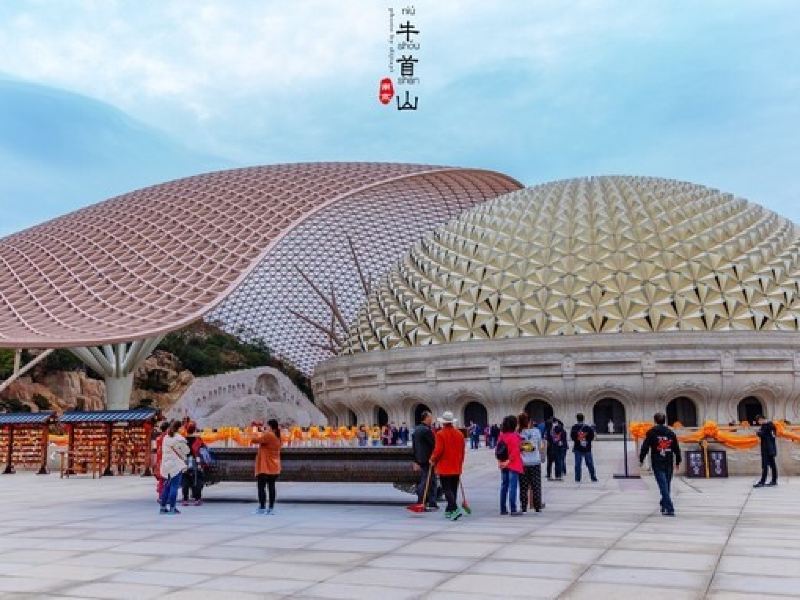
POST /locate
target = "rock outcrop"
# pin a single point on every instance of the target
(240, 397)
(159, 382)
(58, 390)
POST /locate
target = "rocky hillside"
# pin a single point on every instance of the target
(62, 382)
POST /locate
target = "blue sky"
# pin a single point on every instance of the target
(100, 97)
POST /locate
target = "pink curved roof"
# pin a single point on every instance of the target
(156, 259)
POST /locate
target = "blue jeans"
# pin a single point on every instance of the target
(663, 477)
(508, 489)
(562, 456)
(579, 458)
(169, 495)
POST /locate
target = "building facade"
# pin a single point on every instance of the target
(611, 296)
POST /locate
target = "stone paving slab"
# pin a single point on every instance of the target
(84, 538)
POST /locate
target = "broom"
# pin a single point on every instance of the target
(420, 506)
(464, 504)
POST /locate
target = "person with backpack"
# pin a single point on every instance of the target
(268, 465)
(474, 435)
(508, 453)
(662, 445)
(582, 435)
(173, 466)
(556, 449)
(769, 450)
(530, 481)
(194, 478)
(448, 460)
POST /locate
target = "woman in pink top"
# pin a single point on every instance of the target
(510, 465)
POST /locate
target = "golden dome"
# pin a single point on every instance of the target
(590, 255)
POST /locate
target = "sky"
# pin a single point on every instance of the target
(99, 97)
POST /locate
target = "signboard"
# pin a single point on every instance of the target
(696, 463)
(717, 463)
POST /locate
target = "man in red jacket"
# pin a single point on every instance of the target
(448, 458)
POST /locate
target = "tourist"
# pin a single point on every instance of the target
(375, 435)
(474, 435)
(157, 466)
(769, 450)
(662, 444)
(494, 433)
(422, 443)
(556, 450)
(173, 465)
(193, 478)
(386, 435)
(611, 426)
(582, 435)
(530, 482)
(395, 434)
(487, 435)
(268, 465)
(362, 436)
(403, 433)
(509, 460)
(448, 460)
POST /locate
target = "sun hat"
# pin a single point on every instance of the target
(447, 417)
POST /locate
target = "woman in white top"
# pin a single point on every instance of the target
(530, 482)
(173, 464)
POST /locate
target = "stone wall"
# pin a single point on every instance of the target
(642, 372)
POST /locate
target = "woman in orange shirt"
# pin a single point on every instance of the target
(268, 465)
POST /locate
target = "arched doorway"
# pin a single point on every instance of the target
(475, 412)
(539, 410)
(682, 410)
(749, 408)
(381, 417)
(418, 410)
(609, 409)
(352, 419)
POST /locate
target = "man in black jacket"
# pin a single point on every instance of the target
(582, 435)
(423, 441)
(769, 450)
(662, 444)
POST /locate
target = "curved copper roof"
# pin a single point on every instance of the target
(156, 259)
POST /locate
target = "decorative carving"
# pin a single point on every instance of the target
(760, 388)
(699, 392)
(534, 392)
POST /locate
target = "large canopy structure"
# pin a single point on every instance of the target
(110, 280)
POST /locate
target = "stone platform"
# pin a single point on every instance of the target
(84, 538)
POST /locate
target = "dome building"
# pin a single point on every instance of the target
(613, 296)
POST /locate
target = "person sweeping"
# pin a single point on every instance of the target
(448, 461)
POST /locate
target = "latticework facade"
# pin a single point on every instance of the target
(139, 265)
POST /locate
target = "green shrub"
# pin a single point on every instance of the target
(6, 363)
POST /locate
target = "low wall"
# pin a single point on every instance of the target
(352, 465)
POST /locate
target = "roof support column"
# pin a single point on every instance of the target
(117, 364)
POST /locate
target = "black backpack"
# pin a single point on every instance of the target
(501, 451)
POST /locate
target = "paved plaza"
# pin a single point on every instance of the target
(84, 538)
